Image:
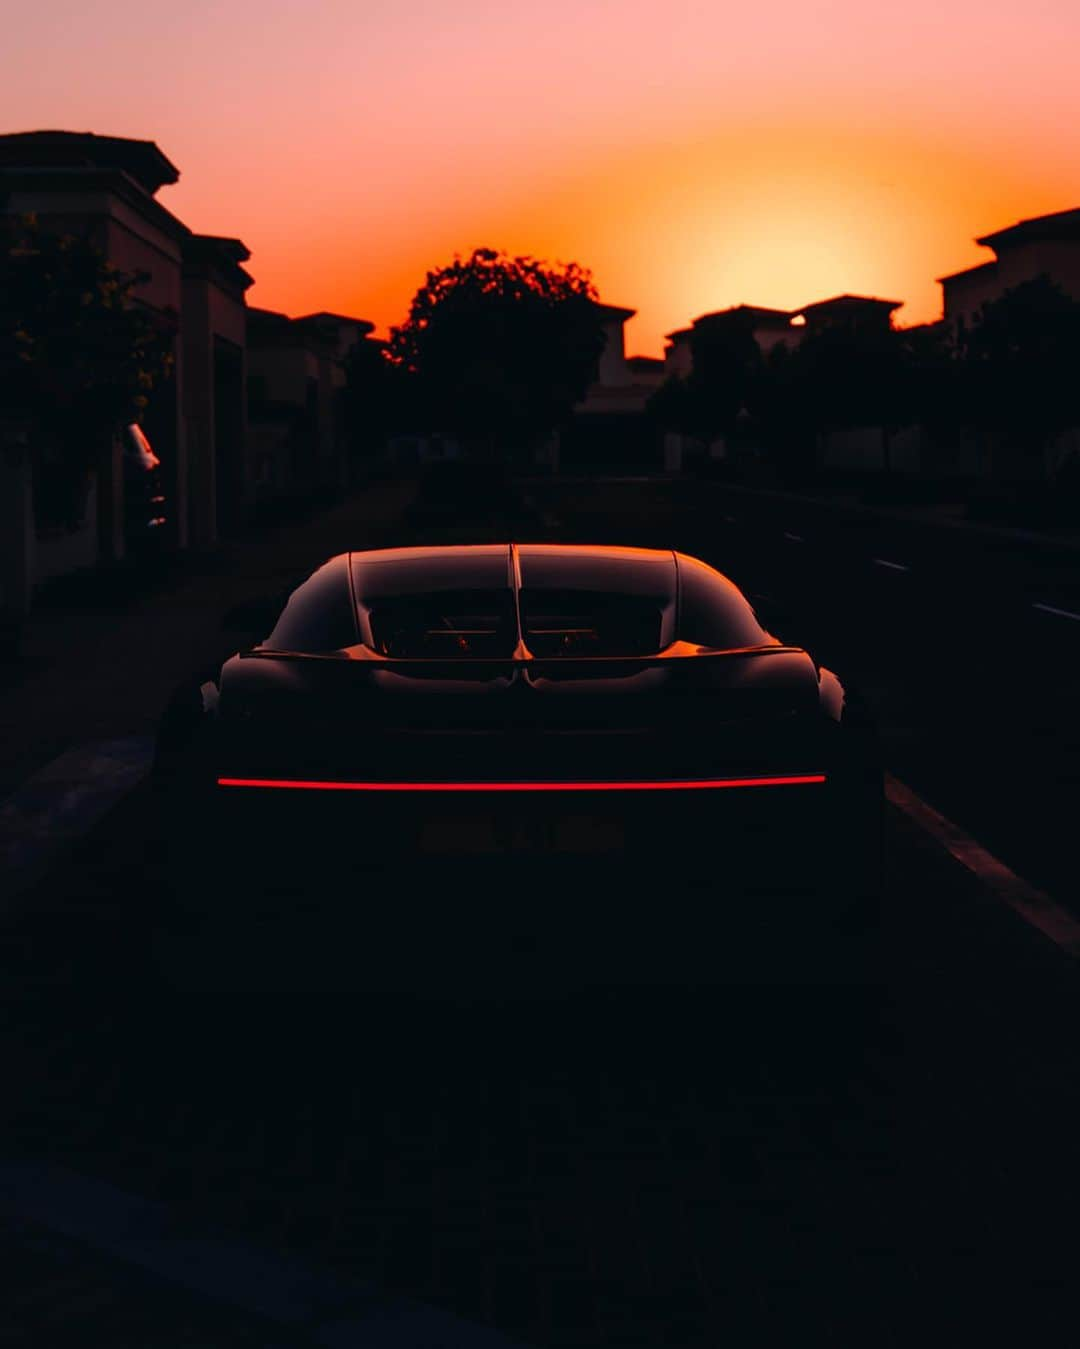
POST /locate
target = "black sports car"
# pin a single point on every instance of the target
(533, 698)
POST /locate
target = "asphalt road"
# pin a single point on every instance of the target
(644, 1144)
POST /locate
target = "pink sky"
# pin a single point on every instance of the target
(694, 155)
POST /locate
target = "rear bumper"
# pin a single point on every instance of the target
(785, 831)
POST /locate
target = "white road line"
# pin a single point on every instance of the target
(63, 801)
(339, 1313)
(795, 538)
(892, 566)
(1035, 907)
(1061, 613)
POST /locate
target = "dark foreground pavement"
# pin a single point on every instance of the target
(655, 1150)
(581, 1124)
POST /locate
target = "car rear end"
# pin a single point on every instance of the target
(719, 770)
(547, 732)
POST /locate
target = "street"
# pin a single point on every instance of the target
(578, 1122)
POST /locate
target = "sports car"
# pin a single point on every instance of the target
(550, 701)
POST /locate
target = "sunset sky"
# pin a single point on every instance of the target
(694, 155)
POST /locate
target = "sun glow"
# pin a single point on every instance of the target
(693, 159)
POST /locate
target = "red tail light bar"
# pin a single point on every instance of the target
(662, 785)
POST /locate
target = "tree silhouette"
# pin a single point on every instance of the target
(726, 368)
(375, 402)
(726, 362)
(499, 349)
(78, 355)
(851, 376)
(1019, 362)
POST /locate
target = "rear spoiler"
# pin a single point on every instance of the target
(768, 676)
(595, 665)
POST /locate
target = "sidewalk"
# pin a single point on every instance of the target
(94, 672)
(95, 1264)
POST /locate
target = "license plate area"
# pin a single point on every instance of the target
(480, 832)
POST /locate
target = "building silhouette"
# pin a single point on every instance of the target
(1046, 245)
(296, 386)
(221, 452)
(103, 189)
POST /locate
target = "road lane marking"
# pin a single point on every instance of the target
(64, 801)
(1061, 613)
(892, 566)
(795, 538)
(1035, 907)
(339, 1313)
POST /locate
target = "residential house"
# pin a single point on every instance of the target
(862, 448)
(296, 383)
(618, 387)
(607, 427)
(770, 328)
(214, 337)
(678, 354)
(1043, 246)
(1047, 245)
(856, 313)
(647, 371)
(104, 189)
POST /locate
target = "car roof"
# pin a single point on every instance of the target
(353, 592)
(601, 567)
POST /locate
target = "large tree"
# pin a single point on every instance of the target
(1020, 366)
(78, 354)
(850, 376)
(375, 397)
(499, 349)
(726, 363)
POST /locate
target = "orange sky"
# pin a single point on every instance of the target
(694, 155)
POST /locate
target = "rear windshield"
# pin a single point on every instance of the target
(591, 623)
(464, 624)
(444, 624)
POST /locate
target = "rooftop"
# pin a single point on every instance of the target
(269, 327)
(759, 313)
(218, 246)
(324, 316)
(849, 304)
(614, 311)
(213, 253)
(968, 271)
(1059, 225)
(140, 160)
